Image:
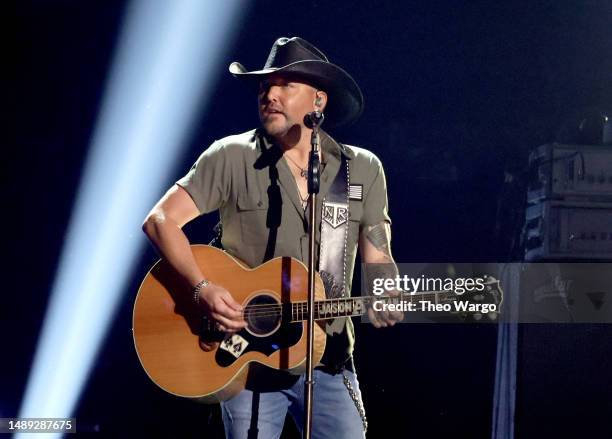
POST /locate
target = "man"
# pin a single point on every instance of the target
(257, 181)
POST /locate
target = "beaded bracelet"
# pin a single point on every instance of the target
(196, 290)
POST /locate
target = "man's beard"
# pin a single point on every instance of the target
(288, 132)
(277, 128)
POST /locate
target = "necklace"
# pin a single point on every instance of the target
(304, 201)
(303, 172)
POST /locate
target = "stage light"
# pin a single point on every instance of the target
(166, 62)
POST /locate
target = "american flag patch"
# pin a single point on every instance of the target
(356, 192)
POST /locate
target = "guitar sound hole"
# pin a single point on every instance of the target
(263, 315)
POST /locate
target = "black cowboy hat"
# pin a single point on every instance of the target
(299, 57)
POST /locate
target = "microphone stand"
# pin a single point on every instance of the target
(313, 121)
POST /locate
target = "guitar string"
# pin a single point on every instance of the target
(297, 307)
(276, 309)
(263, 309)
(277, 305)
(401, 295)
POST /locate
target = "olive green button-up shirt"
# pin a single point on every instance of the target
(248, 180)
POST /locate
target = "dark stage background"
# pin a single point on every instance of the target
(456, 94)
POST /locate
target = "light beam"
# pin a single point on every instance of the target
(166, 62)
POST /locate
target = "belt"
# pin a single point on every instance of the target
(335, 369)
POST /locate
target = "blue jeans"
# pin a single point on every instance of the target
(261, 415)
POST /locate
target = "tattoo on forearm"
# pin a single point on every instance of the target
(378, 271)
(379, 236)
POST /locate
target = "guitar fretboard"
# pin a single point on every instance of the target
(357, 306)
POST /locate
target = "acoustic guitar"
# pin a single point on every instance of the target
(168, 327)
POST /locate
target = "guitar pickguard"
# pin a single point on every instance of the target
(235, 346)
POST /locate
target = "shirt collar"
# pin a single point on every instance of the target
(328, 145)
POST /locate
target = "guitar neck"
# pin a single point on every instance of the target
(358, 306)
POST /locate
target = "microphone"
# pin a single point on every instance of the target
(313, 119)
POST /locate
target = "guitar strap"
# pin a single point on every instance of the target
(332, 257)
(334, 233)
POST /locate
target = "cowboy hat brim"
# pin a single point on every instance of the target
(345, 103)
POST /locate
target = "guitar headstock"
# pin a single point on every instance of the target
(482, 301)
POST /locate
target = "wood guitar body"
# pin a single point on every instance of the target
(167, 326)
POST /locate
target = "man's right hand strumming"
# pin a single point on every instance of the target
(163, 226)
(221, 307)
